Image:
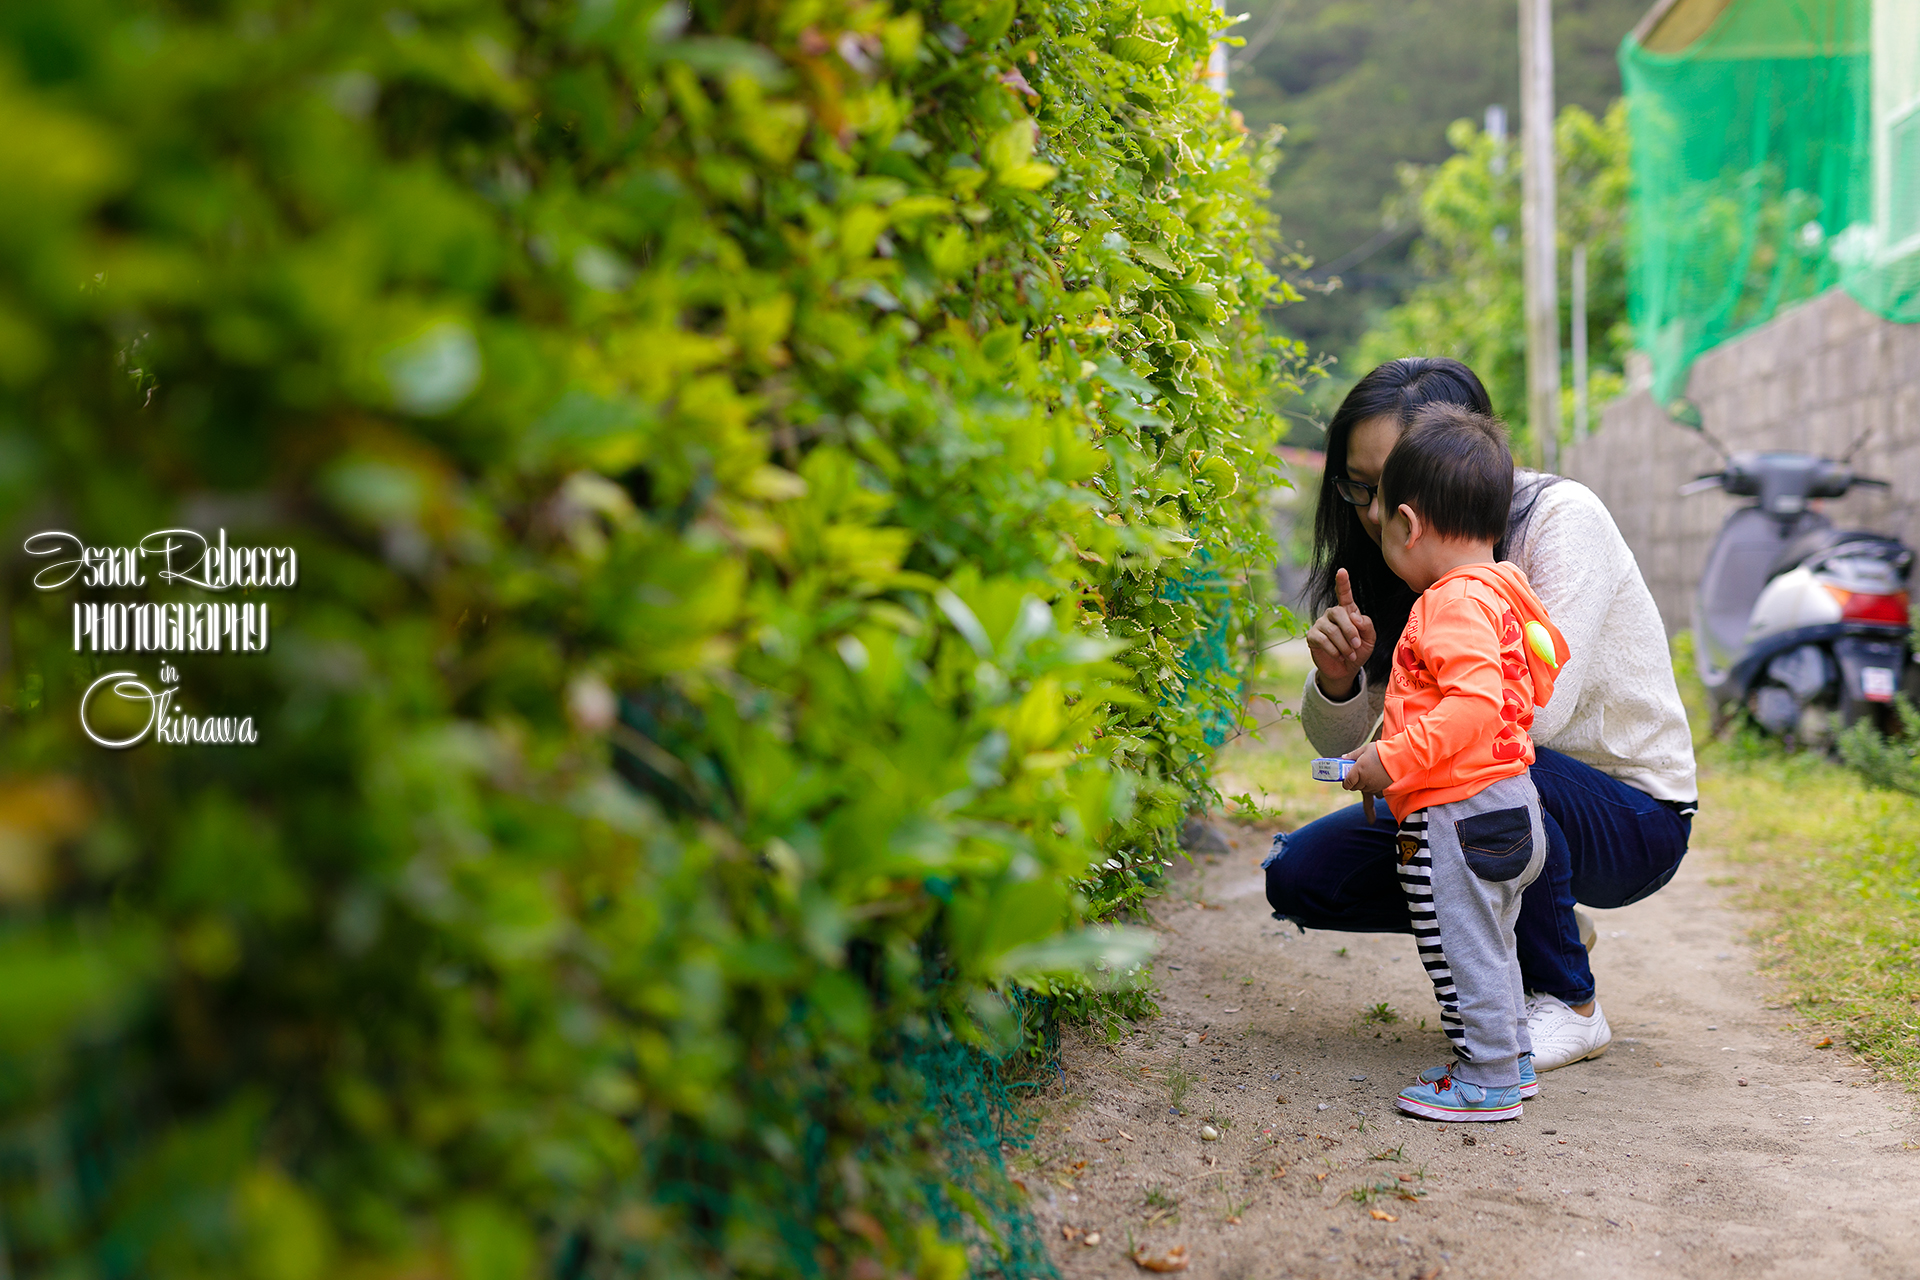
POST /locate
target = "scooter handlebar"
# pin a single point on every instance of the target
(1878, 484)
(1700, 484)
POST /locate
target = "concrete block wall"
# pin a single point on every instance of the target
(1815, 378)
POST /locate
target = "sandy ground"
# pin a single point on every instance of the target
(1713, 1139)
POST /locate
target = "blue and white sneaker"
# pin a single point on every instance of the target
(1529, 1082)
(1450, 1099)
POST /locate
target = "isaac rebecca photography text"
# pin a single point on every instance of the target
(175, 557)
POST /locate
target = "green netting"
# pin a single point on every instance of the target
(1213, 682)
(971, 1096)
(1776, 153)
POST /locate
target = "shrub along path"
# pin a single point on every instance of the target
(1654, 1160)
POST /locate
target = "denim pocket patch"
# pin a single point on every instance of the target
(1497, 845)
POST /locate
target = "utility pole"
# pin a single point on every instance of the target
(1539, 227)
(1580, 342)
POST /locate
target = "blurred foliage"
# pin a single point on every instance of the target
(1473, 305)
(1365, 86)
(1886, 761)
(759, 471)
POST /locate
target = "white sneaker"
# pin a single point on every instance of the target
(1561, 1036)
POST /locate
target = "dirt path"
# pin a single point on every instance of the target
(1655, 1160)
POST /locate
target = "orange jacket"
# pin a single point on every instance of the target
(1464, 687)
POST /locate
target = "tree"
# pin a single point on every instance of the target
(1363, 86)
(1470, 303)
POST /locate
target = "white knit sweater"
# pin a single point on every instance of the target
(1614, 705)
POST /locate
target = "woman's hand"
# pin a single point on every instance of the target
(1341, 641)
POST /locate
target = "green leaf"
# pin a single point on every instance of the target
(1144, 50)
(1153, 257)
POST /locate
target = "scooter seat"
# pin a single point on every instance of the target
(1822, 540)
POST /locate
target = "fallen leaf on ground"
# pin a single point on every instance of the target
(1431, 1273)
(1406, 1177)
(1234, 1220)
(1381, 1215)
(1070, 1232)
(1824, 1042)
(1171, 1259)
(1280, 1098)
(1129, 1137)
(1092, 1239)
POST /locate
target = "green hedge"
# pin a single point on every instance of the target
(763, 477)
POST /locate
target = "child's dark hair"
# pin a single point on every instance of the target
(1454, 467)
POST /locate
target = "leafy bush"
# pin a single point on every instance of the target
(760, 474)
(1893, 763)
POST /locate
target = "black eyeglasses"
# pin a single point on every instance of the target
(1357, 492)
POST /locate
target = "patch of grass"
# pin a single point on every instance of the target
(1231, 1209)
(1110, 1012)
(1179, 1083)
(1381, 1014)
(1893, 762)
(1838, 875)
(1250, 812)
(1835, 871)
(1397, 1154)
(1385, 1189)
(1161, 1205)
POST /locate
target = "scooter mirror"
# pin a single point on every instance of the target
(1686, 413)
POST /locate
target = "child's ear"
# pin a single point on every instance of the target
(1416, 527)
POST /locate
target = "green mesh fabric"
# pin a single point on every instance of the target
(1212, 679)
(967, 1103)
(972, 1097)
(1776, 154)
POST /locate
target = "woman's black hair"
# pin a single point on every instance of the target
(1394, 390)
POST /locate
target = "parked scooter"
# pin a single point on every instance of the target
(1802, 623)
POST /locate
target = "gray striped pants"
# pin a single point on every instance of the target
(1463, 866)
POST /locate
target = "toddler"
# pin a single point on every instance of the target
(1477, 656)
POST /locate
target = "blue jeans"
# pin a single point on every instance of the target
(1607, 845)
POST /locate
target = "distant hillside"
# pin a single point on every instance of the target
(1365, 85)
